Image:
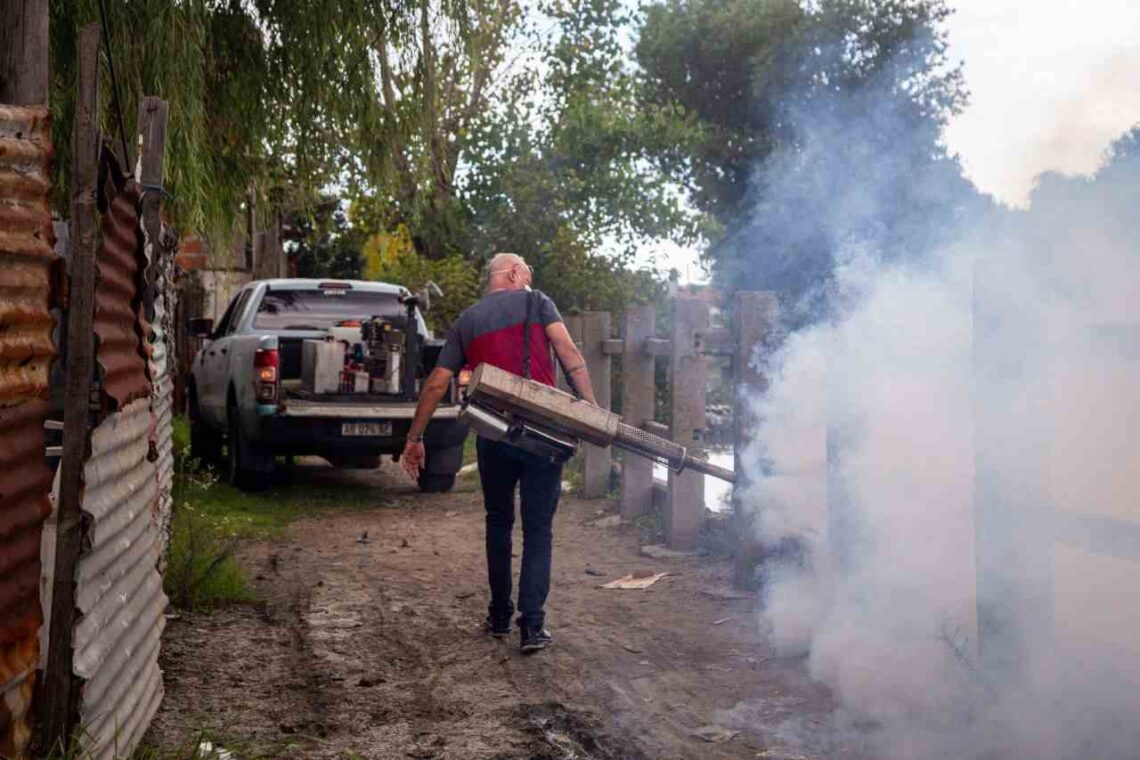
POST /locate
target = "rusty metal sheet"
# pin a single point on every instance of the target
(24, 485)
(26, 352)
(17, 668)
(118, 587)
(121, 349)
(26, 241)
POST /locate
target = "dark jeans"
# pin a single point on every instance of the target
(502, 467)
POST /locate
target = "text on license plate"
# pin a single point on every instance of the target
(366, 428)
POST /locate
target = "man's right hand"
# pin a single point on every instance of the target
(413, 458)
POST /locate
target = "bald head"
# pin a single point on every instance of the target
(508, 271)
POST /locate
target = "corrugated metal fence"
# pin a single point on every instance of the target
(26, 350)
(128, 472)
(126, 498)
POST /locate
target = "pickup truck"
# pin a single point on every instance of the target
(246, 397)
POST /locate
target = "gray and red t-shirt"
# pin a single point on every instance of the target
(491, 331)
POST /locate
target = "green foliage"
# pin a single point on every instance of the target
(797, 105)
(436, 118)
(263, 95)
(457, 277)
(328, 246)
(200, 567)
(558, 172)
(434, 75)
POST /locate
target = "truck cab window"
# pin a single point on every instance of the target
(321, 309)
(222, 327)
(238, 311)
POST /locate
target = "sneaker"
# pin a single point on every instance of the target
(534, 639)
(498, 628)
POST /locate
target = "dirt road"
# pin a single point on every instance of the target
(368, 643)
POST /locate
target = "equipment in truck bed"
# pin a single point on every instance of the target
(503, 406)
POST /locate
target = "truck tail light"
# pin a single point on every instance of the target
(265, 364)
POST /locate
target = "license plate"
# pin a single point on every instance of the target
(366, 428)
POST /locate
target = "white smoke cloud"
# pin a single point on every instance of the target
(928, 445)
(1052, 84)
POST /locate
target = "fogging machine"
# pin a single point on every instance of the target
(548, 422)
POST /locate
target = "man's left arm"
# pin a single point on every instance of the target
(572, 362)
(433, 391)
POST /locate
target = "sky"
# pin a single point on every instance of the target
(1052, 83)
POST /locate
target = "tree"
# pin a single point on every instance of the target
(326, 245)
(821, 132)
(436, 69)
(263, 95)
(559, 170)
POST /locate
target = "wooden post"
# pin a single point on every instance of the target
(60, 692)
(24, 52)
(151, 148)
(597, 465)
(755, 315)
(688, 381)
(637, 406)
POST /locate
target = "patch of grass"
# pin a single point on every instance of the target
(210, 520)
(200, 567)
(180, 438)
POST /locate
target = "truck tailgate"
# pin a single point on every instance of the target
(360, 410)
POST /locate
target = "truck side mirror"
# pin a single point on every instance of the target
(429, 291)
(201, 327)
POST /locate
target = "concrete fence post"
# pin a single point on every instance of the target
(688, 382)
(637, 404)
(597, 465)
(755, 316)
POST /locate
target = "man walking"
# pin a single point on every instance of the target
(493, 331)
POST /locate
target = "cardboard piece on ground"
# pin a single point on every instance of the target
(630, 582)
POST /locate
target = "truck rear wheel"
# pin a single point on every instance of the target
(205, 444)
(436, 482)
(250, 469)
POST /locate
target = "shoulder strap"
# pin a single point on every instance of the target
(526, 333)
